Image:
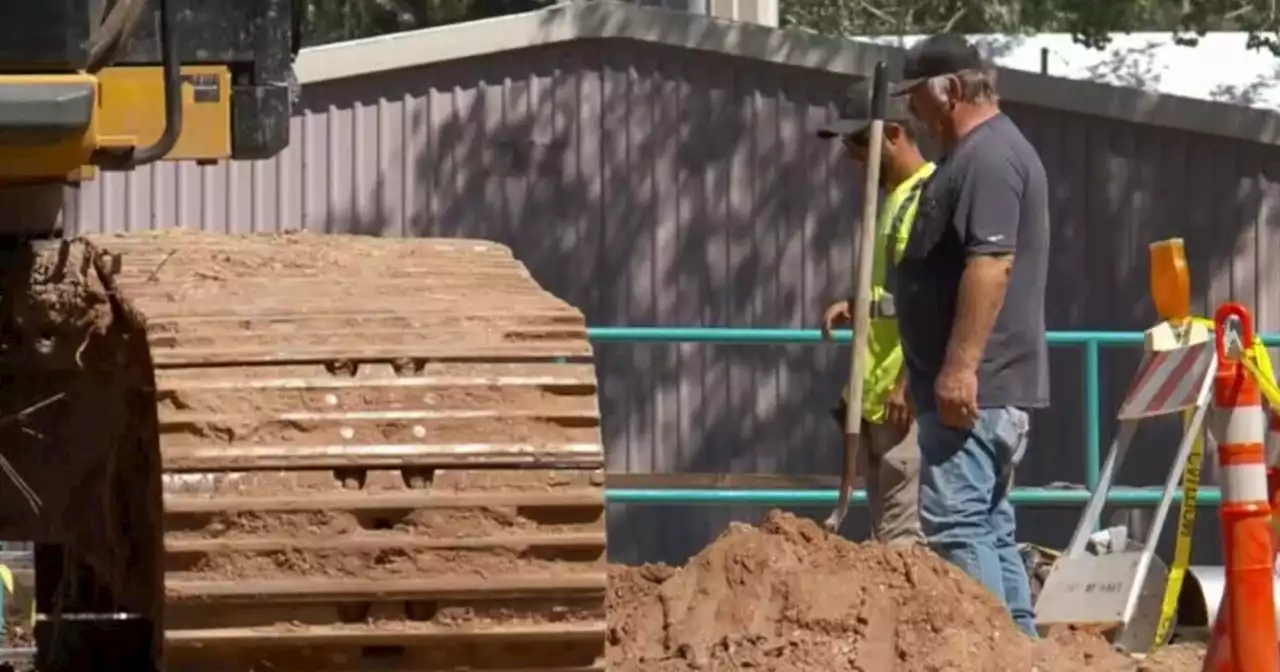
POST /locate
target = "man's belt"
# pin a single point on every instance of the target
(883, 307)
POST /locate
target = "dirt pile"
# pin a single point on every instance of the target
(77, 419)
(786, 597)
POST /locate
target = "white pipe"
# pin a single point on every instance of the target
(1202, 594)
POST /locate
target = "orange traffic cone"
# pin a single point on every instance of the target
(1244, 633)
(1273, 486)
(1218, 658)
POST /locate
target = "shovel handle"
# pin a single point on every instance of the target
(864, 257)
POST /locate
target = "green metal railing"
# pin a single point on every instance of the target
(1090, 341)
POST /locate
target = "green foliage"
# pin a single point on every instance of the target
(336, 20)
(1089, 21)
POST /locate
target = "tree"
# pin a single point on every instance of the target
(336, 20)
(1089, 21)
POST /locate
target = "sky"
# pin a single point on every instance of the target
(1220, 68)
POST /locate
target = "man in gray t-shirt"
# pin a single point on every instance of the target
(970, 301)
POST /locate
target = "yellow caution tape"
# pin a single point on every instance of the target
(1258, 362)
(1186, 530)
(1186, 523)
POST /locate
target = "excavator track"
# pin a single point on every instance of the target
(378, 454)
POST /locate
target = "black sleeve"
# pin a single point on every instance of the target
(989, 205)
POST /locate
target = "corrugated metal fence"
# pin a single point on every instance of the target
(652, 185)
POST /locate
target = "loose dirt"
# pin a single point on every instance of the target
(77, 419)
(1175, 658)
(787, 597)
(18, 634)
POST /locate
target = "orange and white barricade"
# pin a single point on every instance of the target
(1244, 633)
(1109, 589)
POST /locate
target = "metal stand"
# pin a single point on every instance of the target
(1119, 591)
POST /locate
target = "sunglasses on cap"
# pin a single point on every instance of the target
(859, 140)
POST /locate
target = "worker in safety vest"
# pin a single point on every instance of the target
(890, 459)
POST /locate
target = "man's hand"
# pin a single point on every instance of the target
(956, 391)
(899, 410)
(837, 315)
(981, 296)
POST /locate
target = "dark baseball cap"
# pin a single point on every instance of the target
(943, 54)
(855, 112)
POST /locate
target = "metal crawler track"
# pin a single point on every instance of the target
(378, 454)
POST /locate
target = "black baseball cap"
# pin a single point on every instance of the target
(855, 112)
(943, 54)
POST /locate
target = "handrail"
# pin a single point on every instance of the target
(1091, 341)
(782, 336)
(1121, 496)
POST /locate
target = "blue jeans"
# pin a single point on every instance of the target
(965, 513)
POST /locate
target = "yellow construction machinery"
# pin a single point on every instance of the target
(281, 452)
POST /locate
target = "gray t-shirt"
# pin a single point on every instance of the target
(988, 196)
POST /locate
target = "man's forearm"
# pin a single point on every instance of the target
(981, 294)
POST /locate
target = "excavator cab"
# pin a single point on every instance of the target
(89, 85)
(120, 83)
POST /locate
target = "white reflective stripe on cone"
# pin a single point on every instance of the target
(1245, 424)
(1244, 484)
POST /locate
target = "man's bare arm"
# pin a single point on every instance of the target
(981, 294)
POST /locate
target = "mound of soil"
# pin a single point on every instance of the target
(79, 455)
(1182, 657)
(788, 597)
